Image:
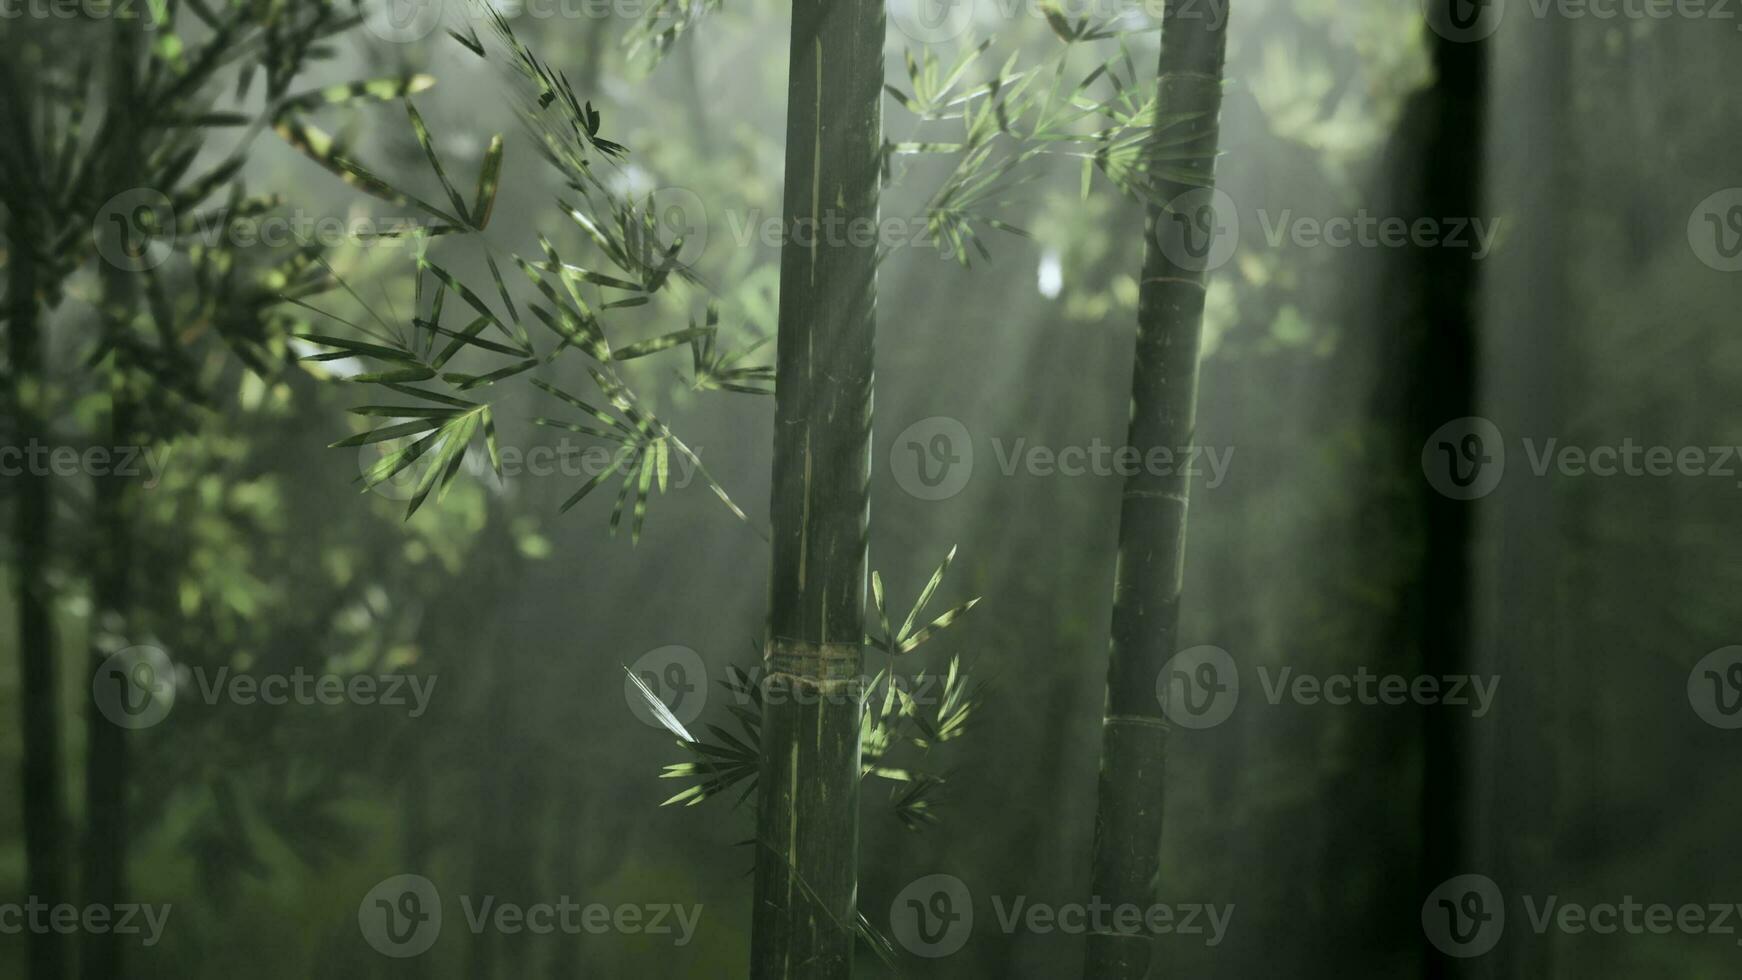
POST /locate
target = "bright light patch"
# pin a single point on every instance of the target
(1051, 274)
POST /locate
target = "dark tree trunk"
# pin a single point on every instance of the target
(105, 849)
(1440, 366)
(105, 842)
(45, 825)
(808, 809)
(1152, 515)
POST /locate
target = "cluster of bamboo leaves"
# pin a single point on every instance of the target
(1017, 116)
(435, 413)
(892, 719)
(74, 133)
(1005, 121)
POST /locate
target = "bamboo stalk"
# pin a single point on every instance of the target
(1152, 517)
(803, 922)
(45, 826)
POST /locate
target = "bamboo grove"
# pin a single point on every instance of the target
(525, 284)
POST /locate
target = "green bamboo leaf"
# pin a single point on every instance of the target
(423, 139)
(488, 178)
(389, 432)
(937, 625)
(657, 344)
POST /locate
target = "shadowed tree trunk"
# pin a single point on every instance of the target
(803, 922)
(45, 826)
(1152, 516)
(1533, 347)
(105, 843)
(104, 860)
(1441, 370)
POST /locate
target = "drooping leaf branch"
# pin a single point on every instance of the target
(572, 303)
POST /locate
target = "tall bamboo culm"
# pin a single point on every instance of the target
(807, 816)
(1152, 515)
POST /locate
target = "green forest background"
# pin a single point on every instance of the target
(533, 773)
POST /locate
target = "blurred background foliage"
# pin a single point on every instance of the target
(530, 777)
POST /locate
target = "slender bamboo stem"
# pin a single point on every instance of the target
(1152, 517)
(45, 825)
(105, 851)
(807, 816)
